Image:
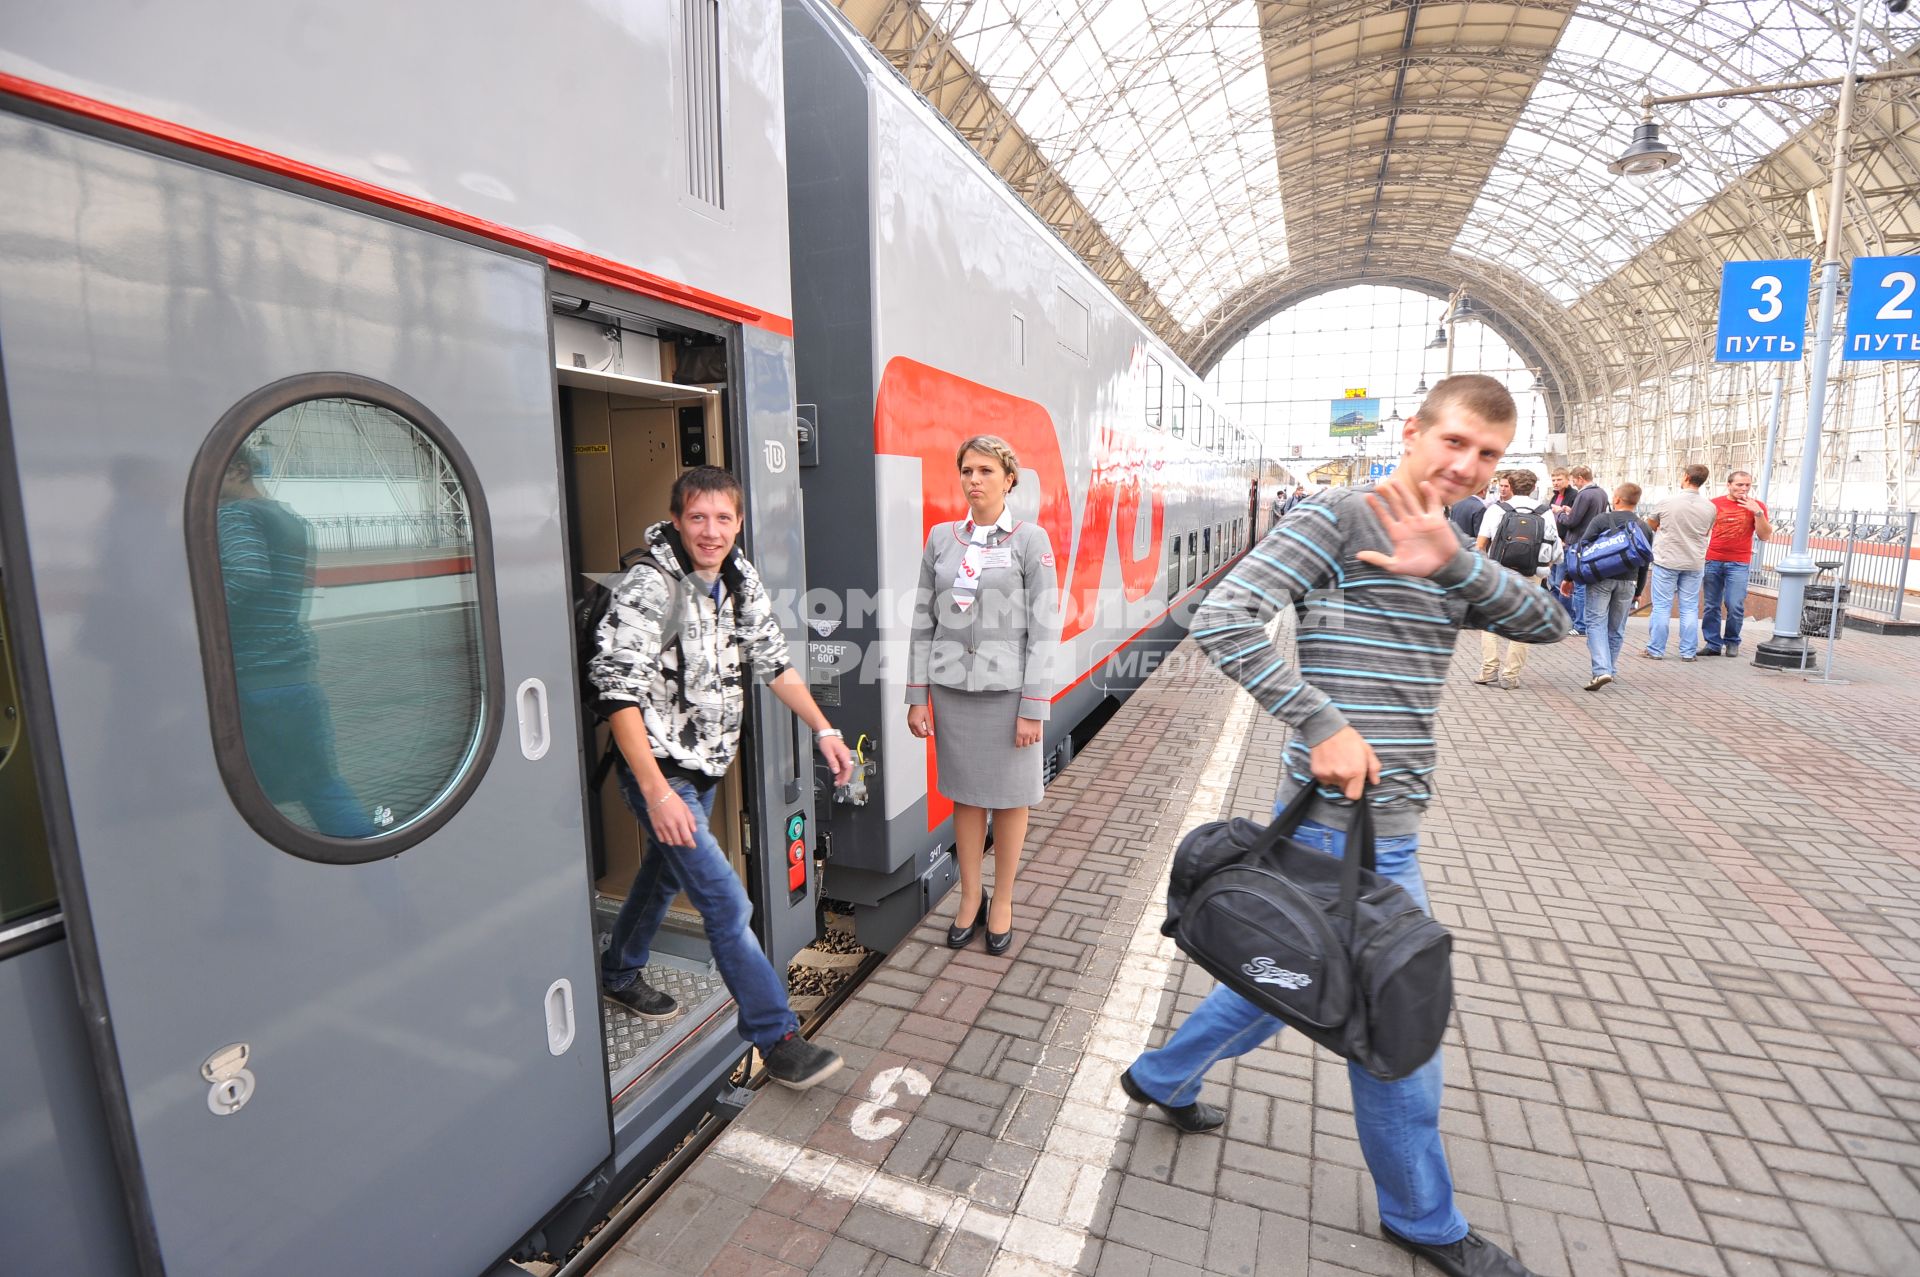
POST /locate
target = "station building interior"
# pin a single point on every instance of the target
(1219, 165)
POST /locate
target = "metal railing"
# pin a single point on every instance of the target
(352, 533)
(1876, 546)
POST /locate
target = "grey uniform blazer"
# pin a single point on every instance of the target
(1006, 640)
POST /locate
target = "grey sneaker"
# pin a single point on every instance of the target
(1599, 681)
(1510, 684)
(643, 1000)
(795, 1062)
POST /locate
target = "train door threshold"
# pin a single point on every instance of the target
(636, 1045)
(681, 966)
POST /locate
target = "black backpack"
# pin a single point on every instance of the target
(590, 609)
(1329, 946)
(1517, 543)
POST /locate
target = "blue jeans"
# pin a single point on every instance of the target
(1608, 603)
(703, 873)
(1723, 583)
(1664, 583)
(1398, 1122)
(1578, 606)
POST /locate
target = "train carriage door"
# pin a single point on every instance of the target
(289, 488)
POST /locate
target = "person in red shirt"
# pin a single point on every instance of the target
(1723, 587)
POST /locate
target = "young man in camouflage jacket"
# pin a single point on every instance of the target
(686, 628)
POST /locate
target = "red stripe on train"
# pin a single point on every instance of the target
(575, 261)
(403, 570)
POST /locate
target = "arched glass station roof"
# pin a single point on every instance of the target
(1217, 161)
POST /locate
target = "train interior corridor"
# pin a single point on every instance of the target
(629, 430)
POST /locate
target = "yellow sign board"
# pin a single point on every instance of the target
(579, 448)
(1357, 392)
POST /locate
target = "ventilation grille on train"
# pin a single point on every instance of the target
(700, 35)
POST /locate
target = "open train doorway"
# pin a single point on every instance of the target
(641, 402)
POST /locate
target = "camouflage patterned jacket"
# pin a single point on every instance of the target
(691, 693)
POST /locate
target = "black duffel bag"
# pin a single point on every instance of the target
(1329, 946)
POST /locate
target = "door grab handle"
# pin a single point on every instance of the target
(559, 1004)
(535, 735)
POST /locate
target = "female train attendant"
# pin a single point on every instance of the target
(985, 623)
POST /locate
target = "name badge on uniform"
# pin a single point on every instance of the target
(998, 557)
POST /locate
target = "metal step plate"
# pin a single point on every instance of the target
(634, 1044)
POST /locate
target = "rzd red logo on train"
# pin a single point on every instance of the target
(923, 412)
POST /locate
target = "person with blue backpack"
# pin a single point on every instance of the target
(1611, 561)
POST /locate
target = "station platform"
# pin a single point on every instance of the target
(1686, 1037)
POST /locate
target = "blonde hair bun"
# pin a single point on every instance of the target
(997, 448)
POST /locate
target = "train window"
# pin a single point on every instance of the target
(1071, 317)
(340, 573)
(1019, 339)
(1213, 431)
(1176, 409)
(1155, 381)
(1193, 558)
(26, 866)
(1206, 549)
(1219, 544)
(1173, 565)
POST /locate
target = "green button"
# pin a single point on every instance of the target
(796, 825)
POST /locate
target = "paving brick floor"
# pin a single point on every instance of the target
(1687, 919)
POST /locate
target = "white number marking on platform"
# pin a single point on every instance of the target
(866, 1120)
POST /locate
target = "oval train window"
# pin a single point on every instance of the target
(344, 605)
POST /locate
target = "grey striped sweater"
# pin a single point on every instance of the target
(1372, 649)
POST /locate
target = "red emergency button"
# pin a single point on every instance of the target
(797, 865)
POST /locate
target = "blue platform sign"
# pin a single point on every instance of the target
(1763, 312)
(1883, 309)
(1380, 469)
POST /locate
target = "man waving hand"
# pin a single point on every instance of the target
(1382, 586)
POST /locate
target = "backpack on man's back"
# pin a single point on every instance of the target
(1520, 539)
(1619, 552)
(590, 610)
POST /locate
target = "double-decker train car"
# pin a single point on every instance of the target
(929, 305)
(337, 350)
(338, 344)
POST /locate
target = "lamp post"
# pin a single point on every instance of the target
(1647, 155)
(1773, 434)
(1788, 649)
(1443, 334)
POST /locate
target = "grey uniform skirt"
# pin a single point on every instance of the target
(973, 744)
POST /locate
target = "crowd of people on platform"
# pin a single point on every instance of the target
(1697, 555)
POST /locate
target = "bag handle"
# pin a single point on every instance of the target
(1359, 852)
(1359, 855)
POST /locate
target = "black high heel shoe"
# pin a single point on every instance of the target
(998, 942)
(961, 937)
